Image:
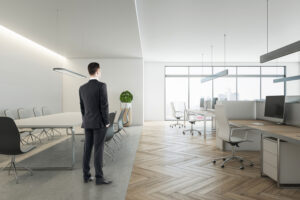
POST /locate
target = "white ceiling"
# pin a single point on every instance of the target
(181, 30)
(168, 30)
(84, 29)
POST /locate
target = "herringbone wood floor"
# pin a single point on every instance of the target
(172, 166)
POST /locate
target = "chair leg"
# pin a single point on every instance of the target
(191, 130)
(109, 155)
(233, 157)
(116, 143)
(109, 148)
(125, 132)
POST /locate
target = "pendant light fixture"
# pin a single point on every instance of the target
(281, 52)
(219, 74)
(61, 69)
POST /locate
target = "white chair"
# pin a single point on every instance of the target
(226, 133)
(177, 115)
(192, 119)
(26, 113)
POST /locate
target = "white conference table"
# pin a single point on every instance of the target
(67, 120)
(205, 113)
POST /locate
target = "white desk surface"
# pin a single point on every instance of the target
(208, 112)
(59, 120)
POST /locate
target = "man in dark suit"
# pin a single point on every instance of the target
(95, 120)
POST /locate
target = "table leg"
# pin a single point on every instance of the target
(204, 126)
(73, 147)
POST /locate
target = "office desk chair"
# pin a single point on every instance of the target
(177, 115)
(10, 144)
(226, 133)
(192, 119)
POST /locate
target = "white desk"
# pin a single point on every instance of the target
(204, 113)
(66, 121)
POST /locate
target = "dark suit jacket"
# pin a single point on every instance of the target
(94, 105)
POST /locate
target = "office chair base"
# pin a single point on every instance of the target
(191, 131)
(226, 159)
(177, 124)
(12, 165)
(233, 157)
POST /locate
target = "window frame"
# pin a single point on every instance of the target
(236, 76)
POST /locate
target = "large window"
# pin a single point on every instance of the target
(183, 84)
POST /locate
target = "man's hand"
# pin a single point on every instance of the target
(107, 125)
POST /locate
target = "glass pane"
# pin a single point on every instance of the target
(231, 70)
(225, 88)
(199, 90)
(177, 70)
(248, 88)
(268, 88)
(200, 70)
(272, 70)
(177, 92)
(249, 70)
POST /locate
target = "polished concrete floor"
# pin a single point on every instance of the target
(68, 184)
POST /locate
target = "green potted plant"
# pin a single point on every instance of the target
(126, 98)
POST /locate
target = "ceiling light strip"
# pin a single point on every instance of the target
(283, 51)
(15, 35)
(214, 76)
(291, 78)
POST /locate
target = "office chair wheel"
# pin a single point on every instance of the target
(251, 165)
(222, 166)
(241, 161)
(242, 167)
(214, 161)
(224, 159)
(183, 132)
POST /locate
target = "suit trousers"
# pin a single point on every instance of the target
(96, 138)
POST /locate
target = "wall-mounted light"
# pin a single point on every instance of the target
(27, 41)
(68, 72)
(291, 78)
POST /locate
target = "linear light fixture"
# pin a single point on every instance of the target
(283, 51)
(291, 78)
(214, 76)
(27, 41)
(68, 72)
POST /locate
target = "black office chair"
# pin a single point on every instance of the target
(120, 123)
(110, 134)
(10, 144)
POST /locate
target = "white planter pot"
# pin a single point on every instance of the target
(128, 113)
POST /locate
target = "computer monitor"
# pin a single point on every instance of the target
(201, 102)
(274, 106)
(214, 102)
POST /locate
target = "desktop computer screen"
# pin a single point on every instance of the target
(274, 106)
(214, 102)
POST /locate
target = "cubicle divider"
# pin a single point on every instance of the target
(241, 110)
(292, 113)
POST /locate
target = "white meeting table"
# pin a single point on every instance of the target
(205, 113)
(67, 120)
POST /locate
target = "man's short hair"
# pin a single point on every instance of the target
(93, 67)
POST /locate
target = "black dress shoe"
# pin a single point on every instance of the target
(100, 181)
(88, 179)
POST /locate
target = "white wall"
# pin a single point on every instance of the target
(118, 74)
(154, 84)
(26, 76)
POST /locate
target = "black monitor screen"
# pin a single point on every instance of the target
(274, 106)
